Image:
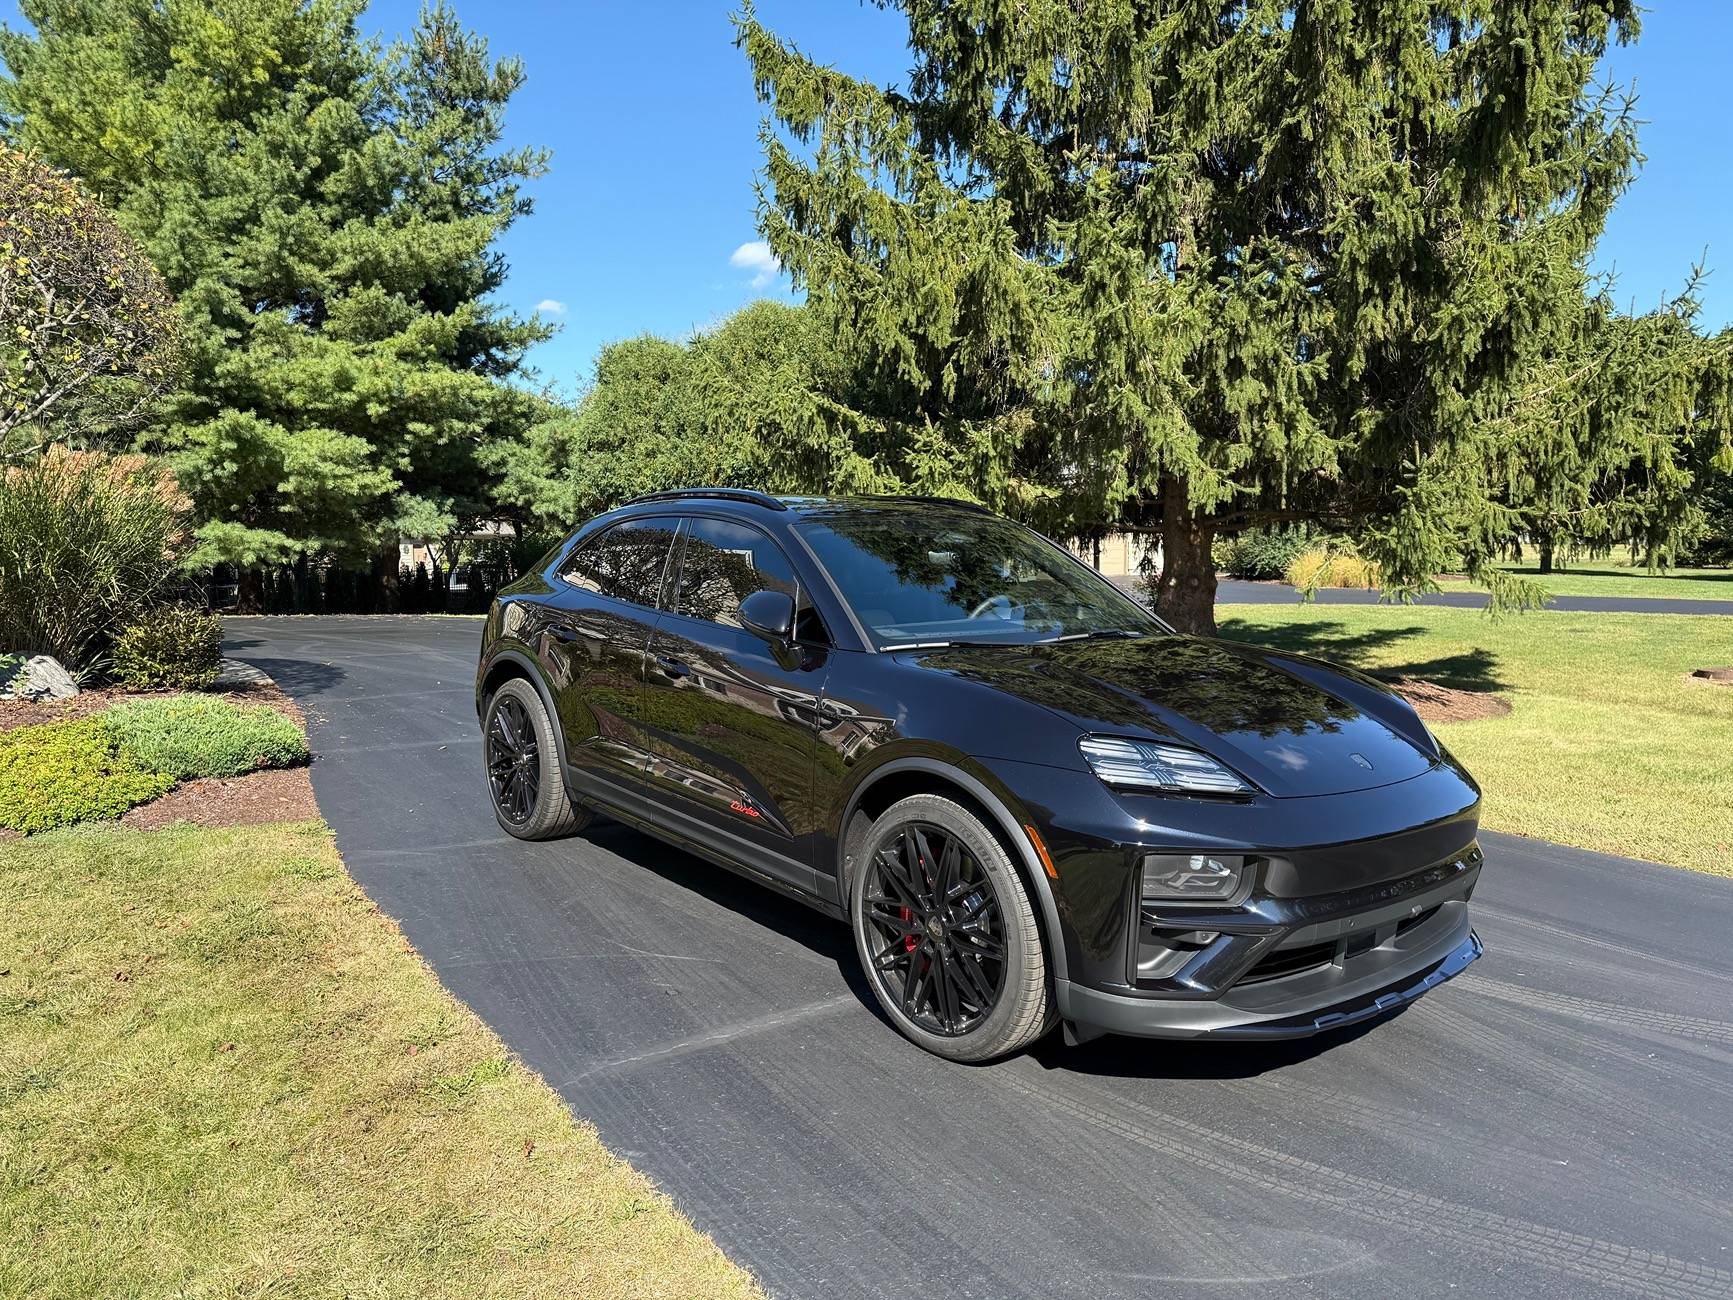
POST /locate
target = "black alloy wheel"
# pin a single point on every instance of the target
(938, 931)
(513, 761)
(522, 755)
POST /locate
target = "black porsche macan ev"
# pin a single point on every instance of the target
(1031, 800)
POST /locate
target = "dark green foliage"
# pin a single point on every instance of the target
(87, 542)
(174, 647)
(190, 736)
(1261, 553)
(65, 772)
(755, 402)
(1212, 267)
(324, 208)
(1712, 542)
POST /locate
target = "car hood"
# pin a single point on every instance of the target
(1293, 725)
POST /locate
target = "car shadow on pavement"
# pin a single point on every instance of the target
(1191, 1058)
(753, 902)
(1110, 1057)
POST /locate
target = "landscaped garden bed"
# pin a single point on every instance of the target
(215, 760)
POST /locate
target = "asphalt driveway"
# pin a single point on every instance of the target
(1558, 1122)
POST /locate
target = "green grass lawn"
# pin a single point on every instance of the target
(1607, 746)
(223, 1072)
(1611, 578)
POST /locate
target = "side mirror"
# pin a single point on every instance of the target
(770, 614)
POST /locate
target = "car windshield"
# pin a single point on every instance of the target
(944, 577)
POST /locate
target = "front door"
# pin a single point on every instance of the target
(731, 719)
(596, 646)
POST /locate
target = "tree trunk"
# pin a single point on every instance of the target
(249, 591)
(1186, 594)
(387, 598)
(1546, 554)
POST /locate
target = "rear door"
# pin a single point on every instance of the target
(597, 645)
(732, 720)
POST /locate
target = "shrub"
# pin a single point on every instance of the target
(65, 772)
(191, 736)
(1260, 552)
(174, 647)
(87, 542)
(1319, 566)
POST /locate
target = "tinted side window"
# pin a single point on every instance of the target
(625, 561)
(724, 564)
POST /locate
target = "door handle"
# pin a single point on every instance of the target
(672, 667)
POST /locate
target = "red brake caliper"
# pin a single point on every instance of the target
(908, 939)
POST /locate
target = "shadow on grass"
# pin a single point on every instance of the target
(1369, 650)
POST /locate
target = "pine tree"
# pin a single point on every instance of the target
(324, 209)
(1201, 268)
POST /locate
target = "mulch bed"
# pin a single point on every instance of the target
(276, 795)
(27, 713)
(1435, 703)
(279, 795)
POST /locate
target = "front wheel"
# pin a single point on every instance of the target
(523, 766)
(946, 933)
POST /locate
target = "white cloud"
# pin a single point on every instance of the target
(551, 307)
(757, 258)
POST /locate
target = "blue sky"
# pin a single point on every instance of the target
(650, 114)
(649, 111)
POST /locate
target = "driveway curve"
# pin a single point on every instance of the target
(1555, 1123)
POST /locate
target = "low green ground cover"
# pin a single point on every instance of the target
(60, 773)
(190, 736)
(65, 772)
(1608, 744)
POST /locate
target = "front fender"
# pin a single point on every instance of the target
(999, 803)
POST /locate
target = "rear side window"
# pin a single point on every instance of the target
(724, 563)
(626, 561)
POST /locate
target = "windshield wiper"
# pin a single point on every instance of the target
(1100, 634)
(951, 645)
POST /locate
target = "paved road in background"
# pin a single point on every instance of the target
(1230, 591)
(1555, 1123)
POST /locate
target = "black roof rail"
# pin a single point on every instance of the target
(723, 494)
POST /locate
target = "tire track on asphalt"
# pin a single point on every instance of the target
(1481, 1232)
(1387, 1122)
(1511, 1046)
(1640, 957)
(1693, 1028)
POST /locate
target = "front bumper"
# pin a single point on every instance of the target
(1289, 968)
(1155, 1018)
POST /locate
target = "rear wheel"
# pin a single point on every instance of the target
(945, 930)
(523, 766)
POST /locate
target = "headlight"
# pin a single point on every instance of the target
(1152, 765)
(1199, 877)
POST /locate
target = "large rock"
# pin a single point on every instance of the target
(40, 678)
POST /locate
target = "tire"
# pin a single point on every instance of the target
(894, 904)
(521, 756)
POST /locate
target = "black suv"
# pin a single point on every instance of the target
(1031, 800)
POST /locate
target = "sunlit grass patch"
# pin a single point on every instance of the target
(223, 1072)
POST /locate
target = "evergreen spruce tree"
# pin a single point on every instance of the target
(324, 210)
(1200, 268)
